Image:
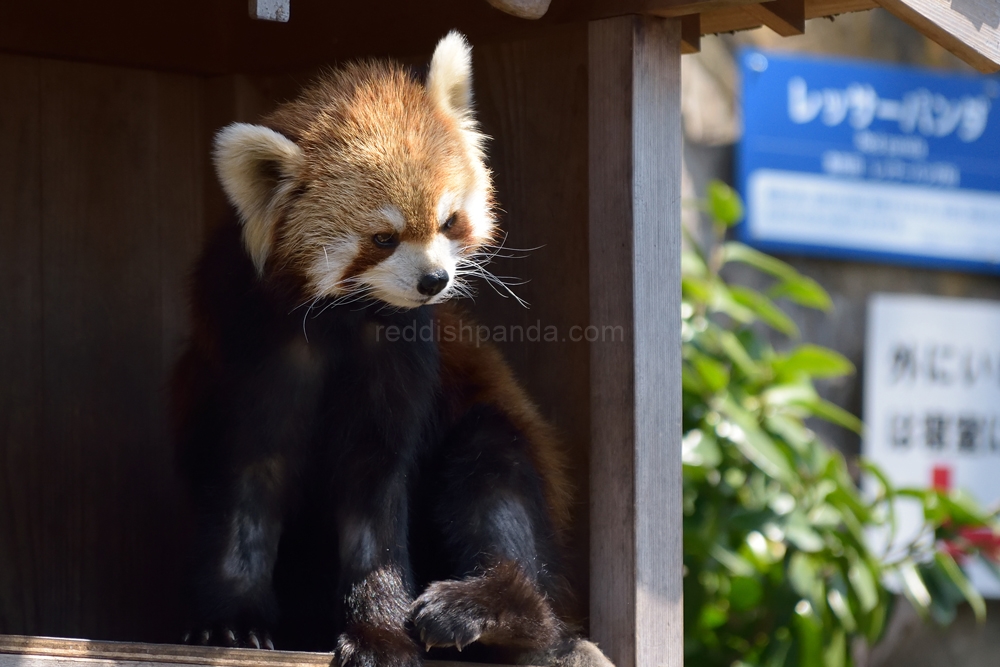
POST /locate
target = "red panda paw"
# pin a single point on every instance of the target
(224, 635)
(370, 646)
(446, 615)
(500, 607)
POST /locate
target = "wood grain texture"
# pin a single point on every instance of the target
(691, 34)
(101, 216)
(970, 29)
(635, 151)
(21, 324)
(531, 97)
(785, 17)
(22, 651)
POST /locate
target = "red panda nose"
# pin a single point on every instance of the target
(433, 283)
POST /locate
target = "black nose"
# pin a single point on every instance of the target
(433, 283)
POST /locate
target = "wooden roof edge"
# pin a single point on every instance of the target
(969, 29)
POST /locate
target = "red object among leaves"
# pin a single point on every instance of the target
(941, 477)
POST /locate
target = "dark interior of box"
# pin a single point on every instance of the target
(106, 194)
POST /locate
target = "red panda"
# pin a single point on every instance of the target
(368, 496)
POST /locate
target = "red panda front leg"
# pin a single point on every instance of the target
(376, 581)
(238, 545)
(491, 508)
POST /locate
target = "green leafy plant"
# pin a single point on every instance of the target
(778, 567)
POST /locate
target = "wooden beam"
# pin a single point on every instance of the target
(22, 651)
(636, 605)
(269, 10)
(691, 33)
(785, 17)
(598, 9)
(968, 28)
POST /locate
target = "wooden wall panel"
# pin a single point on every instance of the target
(20, 335)
(635, 235)
(89, 503)
(531, 97)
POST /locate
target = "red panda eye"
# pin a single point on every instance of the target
(450, 222)
(386, 240)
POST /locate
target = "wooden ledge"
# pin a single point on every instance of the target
(21, 651)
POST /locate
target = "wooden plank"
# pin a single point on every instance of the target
(598, 9)
(108, 542)
(21, 328)
(785, 17)
(729, 19)
(635, 171)
(741, 17)
(531, 97)
(691, 33)
(821, 8)
(968, 28)
(25, 651)
(16, 650)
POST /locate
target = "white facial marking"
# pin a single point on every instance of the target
(395, 279)
(445, 207)
(394, 217)
(476, 207)
(327, 270)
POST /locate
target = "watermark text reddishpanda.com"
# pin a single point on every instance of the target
(502, 333)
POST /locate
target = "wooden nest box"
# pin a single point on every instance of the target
(106, 192)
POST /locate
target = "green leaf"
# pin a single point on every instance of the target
(804, 576)
(693, 265)
(734, 349)
(804, 291)
(755, 444)
(792, 430)
(951, 569)
(813, 360)
(835, 654)
(835, 414)
(863, 582)
(733, 562)
(765, 309)
(809, 632)
(723, 301)
(799, 533)
(914, 588)
(713, 616)
(837, 598)
(735, 251)
(696, 289)
(745, 593)
(714, 373)
(964, 509)
(724, 203)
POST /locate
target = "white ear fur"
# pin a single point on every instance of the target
(449, 81)
(256, 167)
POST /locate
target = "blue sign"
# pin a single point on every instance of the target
(872, 162)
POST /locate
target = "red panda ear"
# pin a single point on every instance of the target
(257, 168)
(449, 82)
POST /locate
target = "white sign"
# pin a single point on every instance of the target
(932, 401)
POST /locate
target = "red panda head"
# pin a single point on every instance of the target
(369, 184)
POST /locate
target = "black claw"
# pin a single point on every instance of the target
(206, 636)
(252, 639)
(187, 638)
(268, 644)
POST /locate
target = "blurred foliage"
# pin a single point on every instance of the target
(778, 570)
